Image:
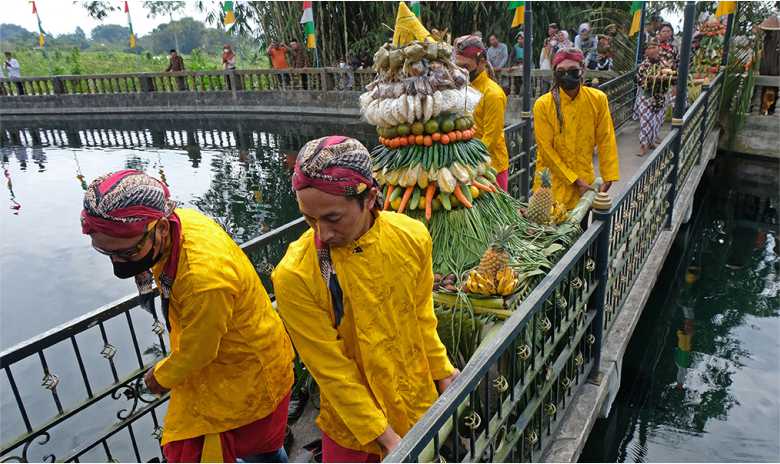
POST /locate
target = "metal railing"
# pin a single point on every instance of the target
(641, 211)
(292, 79)
(502, 409)
(621, 92)
(520, 160)
(512, 392)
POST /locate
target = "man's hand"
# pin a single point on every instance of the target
(605, 186)
(582, 186)
(152, 384)
(444, 383)
(389, 439)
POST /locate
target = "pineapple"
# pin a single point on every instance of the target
(541, 204)
(496, 257)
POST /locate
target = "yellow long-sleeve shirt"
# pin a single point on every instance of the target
(379, 365)
(231, 360)
(587, 124)
(489, 120)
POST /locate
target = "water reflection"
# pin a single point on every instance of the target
(699, 379)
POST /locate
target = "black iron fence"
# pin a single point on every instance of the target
(621, 92)
(511, 395)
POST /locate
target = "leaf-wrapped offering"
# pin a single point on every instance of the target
(414, 52)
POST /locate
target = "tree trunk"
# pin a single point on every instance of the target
(346, 40)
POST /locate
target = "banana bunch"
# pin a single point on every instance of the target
(504, 283)
(479, 284)
(559, 213)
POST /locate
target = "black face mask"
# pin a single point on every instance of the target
(568, 80)
(127, 269)
(472, 74)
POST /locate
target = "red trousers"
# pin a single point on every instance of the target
(261, 436)
(333, 452)
(502, 179)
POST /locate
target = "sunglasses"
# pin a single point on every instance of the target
(570, 72)
(128, 252)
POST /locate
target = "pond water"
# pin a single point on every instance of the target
(700, 377)
(232, 169)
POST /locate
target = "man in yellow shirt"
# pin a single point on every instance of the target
(355, 293)
(489, 113)
(569, 122)
(230, 367)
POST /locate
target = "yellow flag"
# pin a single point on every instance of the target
(636, 18)
(408, 27)
(726, 8)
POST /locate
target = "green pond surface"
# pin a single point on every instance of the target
(701, 376)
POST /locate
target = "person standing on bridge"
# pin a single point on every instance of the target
(651, 99)
(13, 71)
(489, 113)
(569, 122)
(176, 64)
(300, 60)
(228, 63)
(230, 367)
(277, 52)
(354, 292)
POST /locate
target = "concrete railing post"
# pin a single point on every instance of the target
(58, 86)
(602, 211)
(235, 81)
(147, 84)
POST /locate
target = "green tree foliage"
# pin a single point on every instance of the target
(77, 39)
(164, 37)
(163, 8)
(352, 28)
(13, 34)
(111, 34)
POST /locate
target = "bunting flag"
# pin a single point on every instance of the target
(41, 39)
(726, 8)
(308, 25)
(229, 16)
(130, 26)
(519, 8)
(414, 5)
(636, 17)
